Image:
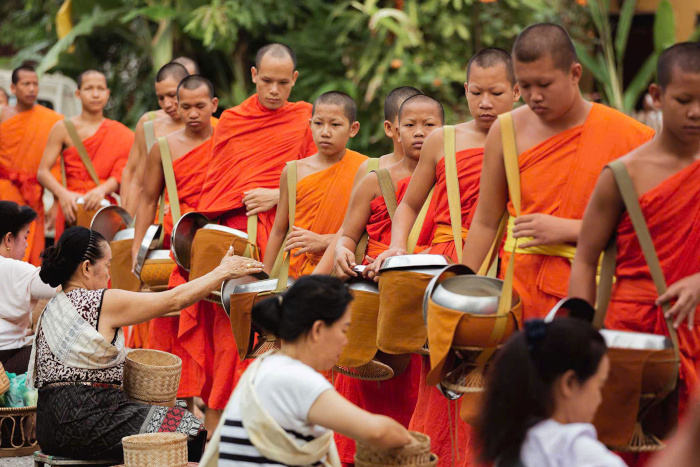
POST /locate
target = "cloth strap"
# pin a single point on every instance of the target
(169, 176)
(388, 191)
(252, 236)
(280, 269)
(82, 152)
(454, 202)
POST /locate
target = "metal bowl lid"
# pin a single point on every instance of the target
(126, 234)
(223, 228)
(228, 287)
(635, 340)
(415, 262)
(362, 283)
(183, 236)
(445, 273)
(469, 294)
(268, 285)
(109, 220)
(158, 254)
(104, 203)
(572, 308)
(149, 242)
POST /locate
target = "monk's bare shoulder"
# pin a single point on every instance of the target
(468, 136)
(434, 146)
(370, 184)
(385, 161)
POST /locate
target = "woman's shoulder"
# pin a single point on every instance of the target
(84, 299)
(286, 373)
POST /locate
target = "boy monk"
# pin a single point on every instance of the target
(665, 174)
(24, 131)
(323, 188)
(189, 151)
(563, 142)
(165, 121)
(490, 90)
(419, 116)
(107, 143)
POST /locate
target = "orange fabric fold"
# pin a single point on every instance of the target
(22, 141)
(557, 178)
(322, 199)
(672, 213)
(251, 146)
(108, 149)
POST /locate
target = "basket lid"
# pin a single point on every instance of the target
(110, 220)
(183, 235)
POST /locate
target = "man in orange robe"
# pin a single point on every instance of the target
(563, 143)
(107, 143)
(324, 185)
(664, 174)
(251, 144)
(396, 398)
(189, 152)
(24, 131)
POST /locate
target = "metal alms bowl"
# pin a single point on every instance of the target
(426, 264)
(126, 234)
(635, 340)
(228, 287)
(469, 294)
(110, 220)
(149, 243)
(183, 235)
(360, 283)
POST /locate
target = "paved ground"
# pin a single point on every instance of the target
(16, 462)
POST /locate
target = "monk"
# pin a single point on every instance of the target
(24, 131)
(664, 173)
(420, 116)
(106, 142)
(165, 121)
(563, 142)
(189, 151)
(191, 66)
(324, 185)
(250, 147)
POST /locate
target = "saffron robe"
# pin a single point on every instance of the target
(557, 177)
(190, 170)
(468, 173)
(672, 213)
(22, 141)
(108, 149)
(322, 199)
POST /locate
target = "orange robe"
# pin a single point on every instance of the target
(468, 173)
(22, 141)
(322, 199)
(672, 213)
(250, 147)
(557, 178)
(108, 149)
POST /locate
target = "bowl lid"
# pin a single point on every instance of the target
(635, 340)
(183, 235)
(415, 262)
(110, 220)
(228, 287)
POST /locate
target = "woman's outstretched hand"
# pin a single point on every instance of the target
(235, 266)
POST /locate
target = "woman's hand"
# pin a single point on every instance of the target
(234, 266)
(69, 206)
(687, 294)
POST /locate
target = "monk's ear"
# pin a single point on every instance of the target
(516, 92)
(655, 92)
(295, 75)
(576, 73)
(77, 93)
(354, 128)
(388, 129)
(13, 88)
(214, 104)
(466, 89)
(254, 74)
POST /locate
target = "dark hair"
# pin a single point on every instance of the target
(193, 82)
(172, 70)
(685, 56)
(519, 383)
(417, 99)
(538, 40)
(14, 217)
(490, 57)
(77, 244)
(22, 67)
(82, 76)
(311, 298)
(394, 100)
(276, 50)
(340, 99)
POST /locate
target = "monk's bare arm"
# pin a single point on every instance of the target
(599, 222)
(128, 202)
(493, 196)
(280, 226)
(52, 151)
(147, 205)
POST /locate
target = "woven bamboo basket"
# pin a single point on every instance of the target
(17, 431)
(155, 450)
(4, 380)
(415, 454)
(152, 376)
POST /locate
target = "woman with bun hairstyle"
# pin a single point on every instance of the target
(283, 410)
(78, 356)
(20, 287)
(542, 393)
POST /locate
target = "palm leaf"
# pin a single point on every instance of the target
(640, 82)
(664, 26)
(624, 25)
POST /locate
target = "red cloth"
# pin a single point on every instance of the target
(395, 398)
(22, 142)
(672, 213)
(108, 149)
(557, 178)
(468, 173)
(251, 146)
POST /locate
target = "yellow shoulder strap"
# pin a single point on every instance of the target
(150, 134)
(388, 191)
(169, 176)
(284, 259)
(82, 152)
(452, 181)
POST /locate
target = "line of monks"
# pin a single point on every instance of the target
(234, 168)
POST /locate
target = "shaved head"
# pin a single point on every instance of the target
(422, 99)
(172, 70)
(340, 99)
(544, 39)
(82, 76)
(275, 50)
(395, 98)
(193, 82)
(684, 56)
(188, 63)
(490, 57)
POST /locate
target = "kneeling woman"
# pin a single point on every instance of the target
(284, 411)
(78, 356)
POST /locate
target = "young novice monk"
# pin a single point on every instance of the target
(106, 142)
(189, 150)
(665, 174)
(324, 184)
(490, 90)
(418, 117)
